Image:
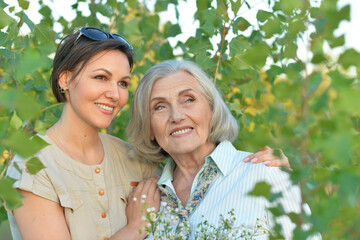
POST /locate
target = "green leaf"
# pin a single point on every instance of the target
(172, 30)
(290, 6)
(350, 58)
(271, 27)
(28, 22)
(315, 81)
(13, 31)
(24, 4)
(204, 60)
(30, 60)
(26, 107)
(337, 41)
(290, 51)
(236, 107)
(161, 5)
(42, 33)
(9, 194)
(165, 51)
(241, 23)
(238, 45)
(45, 11)
(15, 121)
(261, 189)
(235, 6)
(4, 124)
(256, 55)
(5, 20)
(24, 146)
(202, 5)
(262, 15)
(3, 214)
(34, 165)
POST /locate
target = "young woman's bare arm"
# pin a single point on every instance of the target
(40, 218)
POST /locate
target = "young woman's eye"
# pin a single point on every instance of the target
(100, 77)
(124, 84)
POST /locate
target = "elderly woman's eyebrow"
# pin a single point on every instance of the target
(157, 99)
(179, 94)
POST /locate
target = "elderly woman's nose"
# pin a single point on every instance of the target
(176, 114)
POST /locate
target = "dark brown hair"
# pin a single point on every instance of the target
(69, 55)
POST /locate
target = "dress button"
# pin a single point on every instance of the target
(103, 215)
(97, 170)
(101, 192)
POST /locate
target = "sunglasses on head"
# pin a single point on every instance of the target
(96, 34)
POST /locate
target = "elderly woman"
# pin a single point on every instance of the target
(178, 112)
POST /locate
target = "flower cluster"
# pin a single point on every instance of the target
(166, 225)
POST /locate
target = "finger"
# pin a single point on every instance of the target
(150, 188)
(277, 163)
(264, 158)
(138, 189)
(274, 163)
(257, 155)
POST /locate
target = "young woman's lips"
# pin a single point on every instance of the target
(105, 108)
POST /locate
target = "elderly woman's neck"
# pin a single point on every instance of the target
(189, 164)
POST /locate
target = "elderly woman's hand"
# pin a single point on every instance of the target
(145, 195)
(266, 155)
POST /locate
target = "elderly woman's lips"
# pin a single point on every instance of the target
(180, 131)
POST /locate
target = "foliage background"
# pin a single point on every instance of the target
(307, 107)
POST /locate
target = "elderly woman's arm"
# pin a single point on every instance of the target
(267, 156)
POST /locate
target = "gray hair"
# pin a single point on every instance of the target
(223, 125)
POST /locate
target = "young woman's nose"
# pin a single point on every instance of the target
(113, 92)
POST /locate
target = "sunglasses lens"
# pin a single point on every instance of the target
(120, 38)
(95, 34)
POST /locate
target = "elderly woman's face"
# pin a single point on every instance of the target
(180, 115)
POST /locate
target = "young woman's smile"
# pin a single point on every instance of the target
(99, 92)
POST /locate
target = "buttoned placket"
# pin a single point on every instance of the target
(101, 194)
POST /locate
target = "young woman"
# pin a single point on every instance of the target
(81, 194)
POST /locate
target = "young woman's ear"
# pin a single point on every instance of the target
(64, 80)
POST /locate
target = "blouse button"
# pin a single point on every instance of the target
(101, 192)
(97, 170)
(103, 215)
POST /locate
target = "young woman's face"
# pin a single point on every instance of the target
(180, 115)
(100, 90)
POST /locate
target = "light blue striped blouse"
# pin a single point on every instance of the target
(230, 191)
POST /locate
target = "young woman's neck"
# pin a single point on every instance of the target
(77, 138)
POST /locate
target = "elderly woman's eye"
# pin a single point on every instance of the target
(190, 100)
(158, 107)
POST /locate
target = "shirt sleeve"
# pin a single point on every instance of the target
(290, 199)
(38, 184)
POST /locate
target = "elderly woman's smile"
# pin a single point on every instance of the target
(180, 115)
